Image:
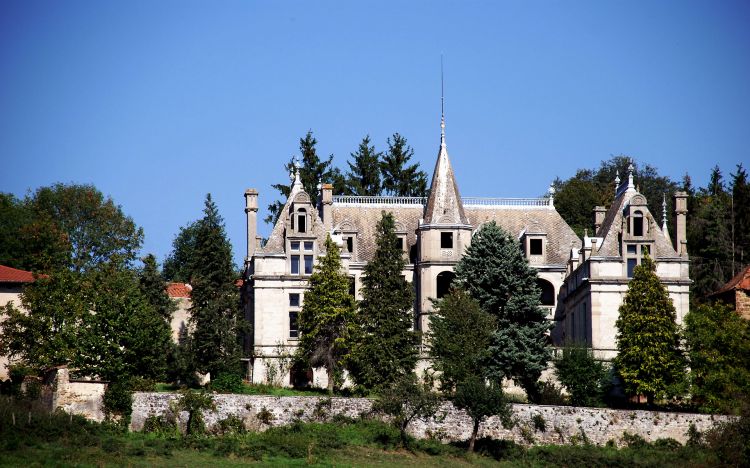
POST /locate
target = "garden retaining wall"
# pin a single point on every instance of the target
(562, 424)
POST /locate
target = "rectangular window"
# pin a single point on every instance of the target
(535, 246)
(352, 286)
(295, 265)
(308, 264)
(446, 240)
(350, 244)
(301, 227)
(294, 300)
(400, 243)
(632, 262)
(294, 245)
(293, 326)
(632, 249)
(308, 246)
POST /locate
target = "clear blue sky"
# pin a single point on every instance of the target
(159, 102)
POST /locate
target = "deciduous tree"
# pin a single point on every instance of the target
(327, 316)
(649, 359)
(581, 374)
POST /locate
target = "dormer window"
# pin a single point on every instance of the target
(638, 224)
(302, 220)
(534, 245)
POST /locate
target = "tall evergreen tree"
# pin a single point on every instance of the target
(313, 171)
(385, 347)
(363, 177)
(399, 178)
(154, 288)
(495, 273)
(718, 346)
(327, 316)
(215, 313)
(740, 218)
(179, 263)
(649, 359)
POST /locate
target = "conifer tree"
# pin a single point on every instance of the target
(741, 218)
(649, 359)
(363, 177)
(385, 347)
(495, 273)
(154, 288)
(399, 178)
(178, 264)
(215, 313)
(313, 171)
(327, 316)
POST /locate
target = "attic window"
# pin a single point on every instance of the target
(536, 247)
(638, 224)
(350, 244)
(302, 220)
(446, 240)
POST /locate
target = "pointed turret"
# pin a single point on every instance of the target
(444, 205)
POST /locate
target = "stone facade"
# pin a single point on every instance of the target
(562, 424)
(583, 281)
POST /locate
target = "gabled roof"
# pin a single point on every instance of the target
(444, 204)
(14, 275)
(740, 281)
(176, 290)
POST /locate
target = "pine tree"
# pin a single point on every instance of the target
(327, 316)
(649, 359)
(718, 345)
(363, 177)
(154, 288)
(178, 265)
(385, 347)
(215, 313)
(399, 178)
(312, 170)
(741, 218)
(495, 273)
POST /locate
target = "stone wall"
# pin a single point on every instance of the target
(82, 397)
(562, 424)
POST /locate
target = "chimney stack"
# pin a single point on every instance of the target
(251, 211)
(327, 202)
(680, 213)
(599, 213)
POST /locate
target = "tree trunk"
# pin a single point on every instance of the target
(329, 371)
(473, 437)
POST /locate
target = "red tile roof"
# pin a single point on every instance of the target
(740, 281)
(179, 289)
(13, 275)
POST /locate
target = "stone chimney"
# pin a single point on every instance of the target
(327, 202)
(680, 214)
(599, 213)
(251, 211)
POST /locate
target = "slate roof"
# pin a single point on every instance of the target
(444, 204)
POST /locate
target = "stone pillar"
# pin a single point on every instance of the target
(327, 203)
(251, 211)
(680, 212)
(599, 213)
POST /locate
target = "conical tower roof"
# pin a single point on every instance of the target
(444, 204)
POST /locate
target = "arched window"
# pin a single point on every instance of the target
(547, 296)
(638, 223)
(444, 281)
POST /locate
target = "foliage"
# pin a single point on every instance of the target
(118, 400)
(399, 178)
(730, 440)
(718, 348)
(363, 177)
(327, 316)
(481, 400)
(385, 347)
(154, 288)
(179, 264)
(313, 171)
(495, 273)
(227, 382)
(215, 312)
(460, 335)
(405, 400)
(195, 403)
(582, 375)
(649, 358)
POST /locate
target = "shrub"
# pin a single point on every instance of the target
(551, 394)
(731, 440)
(265, 416)
(227, 382)
(159, 425)
(539, 423)
(118, 400)
(195, 403)
(406, 400)
(230, 425)
(582, 375)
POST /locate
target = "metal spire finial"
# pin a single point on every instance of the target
(442, 104)
(664, 212)
(294, 175)
(631, 185)
(617, 182)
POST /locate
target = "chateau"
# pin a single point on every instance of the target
(582, 281)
